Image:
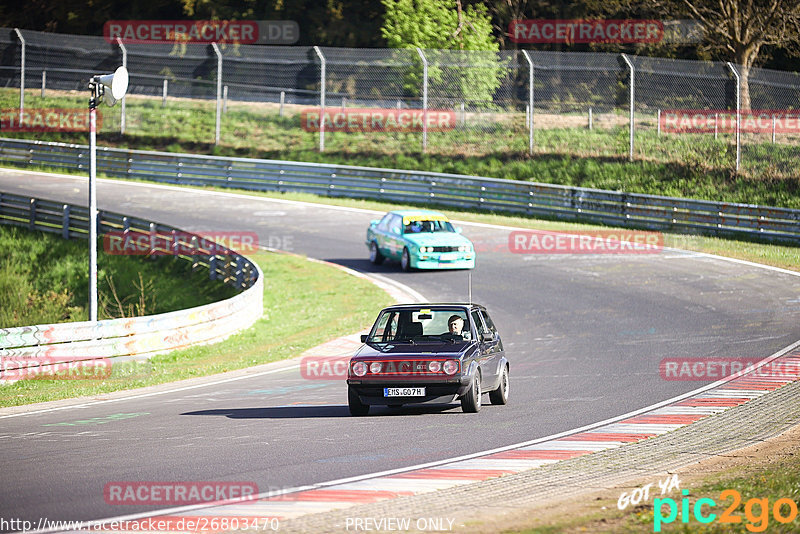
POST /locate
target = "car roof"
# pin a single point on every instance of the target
(417, 212)
(436, 305)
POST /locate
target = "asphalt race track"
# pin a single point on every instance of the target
(584, 335)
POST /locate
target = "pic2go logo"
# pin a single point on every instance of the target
(756, 511)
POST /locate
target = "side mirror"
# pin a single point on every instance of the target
(364, 338)
(457, 229)
(396, 231)
(487, 336)
(374, 222)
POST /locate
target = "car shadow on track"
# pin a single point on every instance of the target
(323, 411)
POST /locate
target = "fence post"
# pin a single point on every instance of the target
(44, 81)
(658, 122)
(530, 100)
(321, 99)
(424, 99)
(212, 267)
(21, 75)
(225, 99)
(738, 113)
(65, 212)
(716, 125)
(164, 94)
(632, 103)
(591, 119)
(773, 129)
(283, 97)
(122, 103)
(219, 91)
(32, 214)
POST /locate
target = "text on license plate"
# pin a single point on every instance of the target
(403, 392)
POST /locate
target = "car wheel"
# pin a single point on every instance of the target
(471, 401)
(375, 255)
(354, 403)
(500, 395)
(405, 260)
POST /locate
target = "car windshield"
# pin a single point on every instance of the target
(421, 325)
(418, 226)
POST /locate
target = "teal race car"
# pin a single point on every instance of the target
(419, 239)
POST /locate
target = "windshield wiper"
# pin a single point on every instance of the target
(409, 340)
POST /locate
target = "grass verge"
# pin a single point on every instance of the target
(44, 279)
(305, 304)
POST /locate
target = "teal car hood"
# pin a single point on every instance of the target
(437, 239)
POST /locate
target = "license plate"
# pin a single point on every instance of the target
(403, 392)
(448, 257)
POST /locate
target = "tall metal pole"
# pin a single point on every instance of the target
(424, 99)
(219, 92)
(632, 104)
(530, 100)
(124, 64)
(738, 112)
(321, 98)
(94, 86)
(21, 75)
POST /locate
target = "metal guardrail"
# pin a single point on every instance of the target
(468, 192)
(137, 337)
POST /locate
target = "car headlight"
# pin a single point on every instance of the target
(463, 248)
(450, 367)
(359, 368)
(434, 366)
(425, 249)
(375, 367)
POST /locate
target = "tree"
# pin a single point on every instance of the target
(740, 29)
(439, 26)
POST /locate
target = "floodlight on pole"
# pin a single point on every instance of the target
(107, 88)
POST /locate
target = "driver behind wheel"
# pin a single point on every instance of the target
(455, 329)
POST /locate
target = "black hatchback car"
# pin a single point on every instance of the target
(418, 353)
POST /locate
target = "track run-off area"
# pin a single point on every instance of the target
(585, 335)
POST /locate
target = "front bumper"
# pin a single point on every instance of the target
(433, 260)
(371, 392)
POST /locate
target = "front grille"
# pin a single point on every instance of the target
(445, 249)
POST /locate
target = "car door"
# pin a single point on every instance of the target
(487, 353)
(381, 233)
(394, 237)
(495, 348)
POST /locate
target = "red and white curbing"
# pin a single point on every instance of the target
(727, 394)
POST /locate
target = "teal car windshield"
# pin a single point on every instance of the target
(422, 226)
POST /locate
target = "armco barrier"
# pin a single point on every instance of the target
(137, 337)
(470, 192)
